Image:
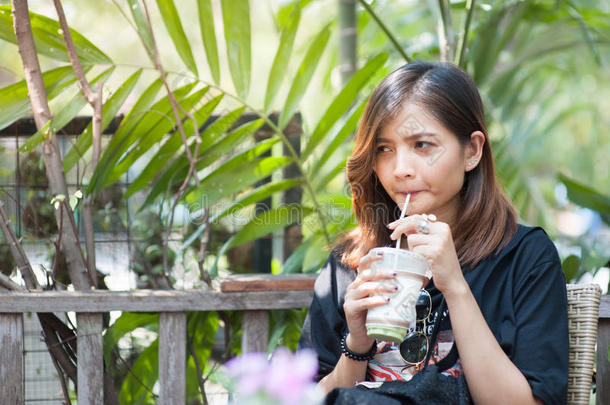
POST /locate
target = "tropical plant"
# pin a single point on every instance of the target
(192, 161)
(187, 133)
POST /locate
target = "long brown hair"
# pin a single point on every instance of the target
(487, 219)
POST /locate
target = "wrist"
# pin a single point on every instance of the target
(357, 355)
(457, 290)
(361, 345)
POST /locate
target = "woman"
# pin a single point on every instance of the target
(498, 326)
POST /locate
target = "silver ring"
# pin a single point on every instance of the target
(423, 226)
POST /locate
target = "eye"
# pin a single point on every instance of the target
(383, 148)
(422, 145)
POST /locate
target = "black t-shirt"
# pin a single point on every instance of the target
(521, 292)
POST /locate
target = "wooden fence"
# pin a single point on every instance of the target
(253, 296)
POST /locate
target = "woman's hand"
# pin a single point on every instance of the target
(360, 296)
(432, 240)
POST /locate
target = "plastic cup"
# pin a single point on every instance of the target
(392, 321)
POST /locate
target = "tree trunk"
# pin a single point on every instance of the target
(50, 149)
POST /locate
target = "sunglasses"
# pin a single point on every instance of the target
(414, 347)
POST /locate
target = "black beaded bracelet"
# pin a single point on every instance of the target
(357, 356)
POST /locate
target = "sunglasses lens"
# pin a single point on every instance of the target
(423, 306)
(414, 348)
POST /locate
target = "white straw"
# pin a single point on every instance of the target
(402, 214)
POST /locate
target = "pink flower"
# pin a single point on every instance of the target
(249, 370)
(290, 375)
(285, 380)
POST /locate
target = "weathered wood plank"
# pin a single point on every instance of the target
(254, 331)
(90, 374)
(172, 358)
(603, 366)
(151, 301)
(604, 306)
(267, 282)
(11, 358)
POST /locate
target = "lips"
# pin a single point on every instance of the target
(413, 193)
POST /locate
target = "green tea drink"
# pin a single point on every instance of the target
(391, 321)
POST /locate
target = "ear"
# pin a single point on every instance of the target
(474, 150)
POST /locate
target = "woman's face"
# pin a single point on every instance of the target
(416, 154)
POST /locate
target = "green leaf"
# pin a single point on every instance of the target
(229, 179)
(236, 20)
(172, 147)
(155, 121)
(267, 222)
(282, 57)
(348, 128)
(303, 76)
(137, 386)
(587, 31)
(316, 253)
(126, 323)
(201, 328)
(176, 32)
(144, 31)
(153, 135)
(343, 101)
(220, 126)
(294, 263)
(252, 197)
(64, 116)
(49, 40)
(179, 168)
(14, 101)
(570, 267)
(276, 336)
(109, 110)
(587, 197)
(263, 224)
(332, 173)
(112, 152)
(208, 35)
(227, 143)
(284, 13)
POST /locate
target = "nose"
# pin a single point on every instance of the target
(404, 165)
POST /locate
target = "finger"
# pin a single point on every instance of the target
(404, 220)
(412, 226)
(366, 260)
(376, 287)
(418, 239)
(371, 276)
(368, 288)
(406, 226)
(426, 251)
(365, 304)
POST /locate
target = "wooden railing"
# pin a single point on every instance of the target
(254, 295)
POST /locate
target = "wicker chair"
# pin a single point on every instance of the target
(583, 310)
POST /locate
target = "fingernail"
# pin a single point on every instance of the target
(394, 274)
(395, 288)
(379, 253)
(387, 299)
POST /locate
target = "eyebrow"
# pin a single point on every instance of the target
(416, 135)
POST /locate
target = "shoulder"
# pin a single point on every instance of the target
(532, 257)
(531, 246)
